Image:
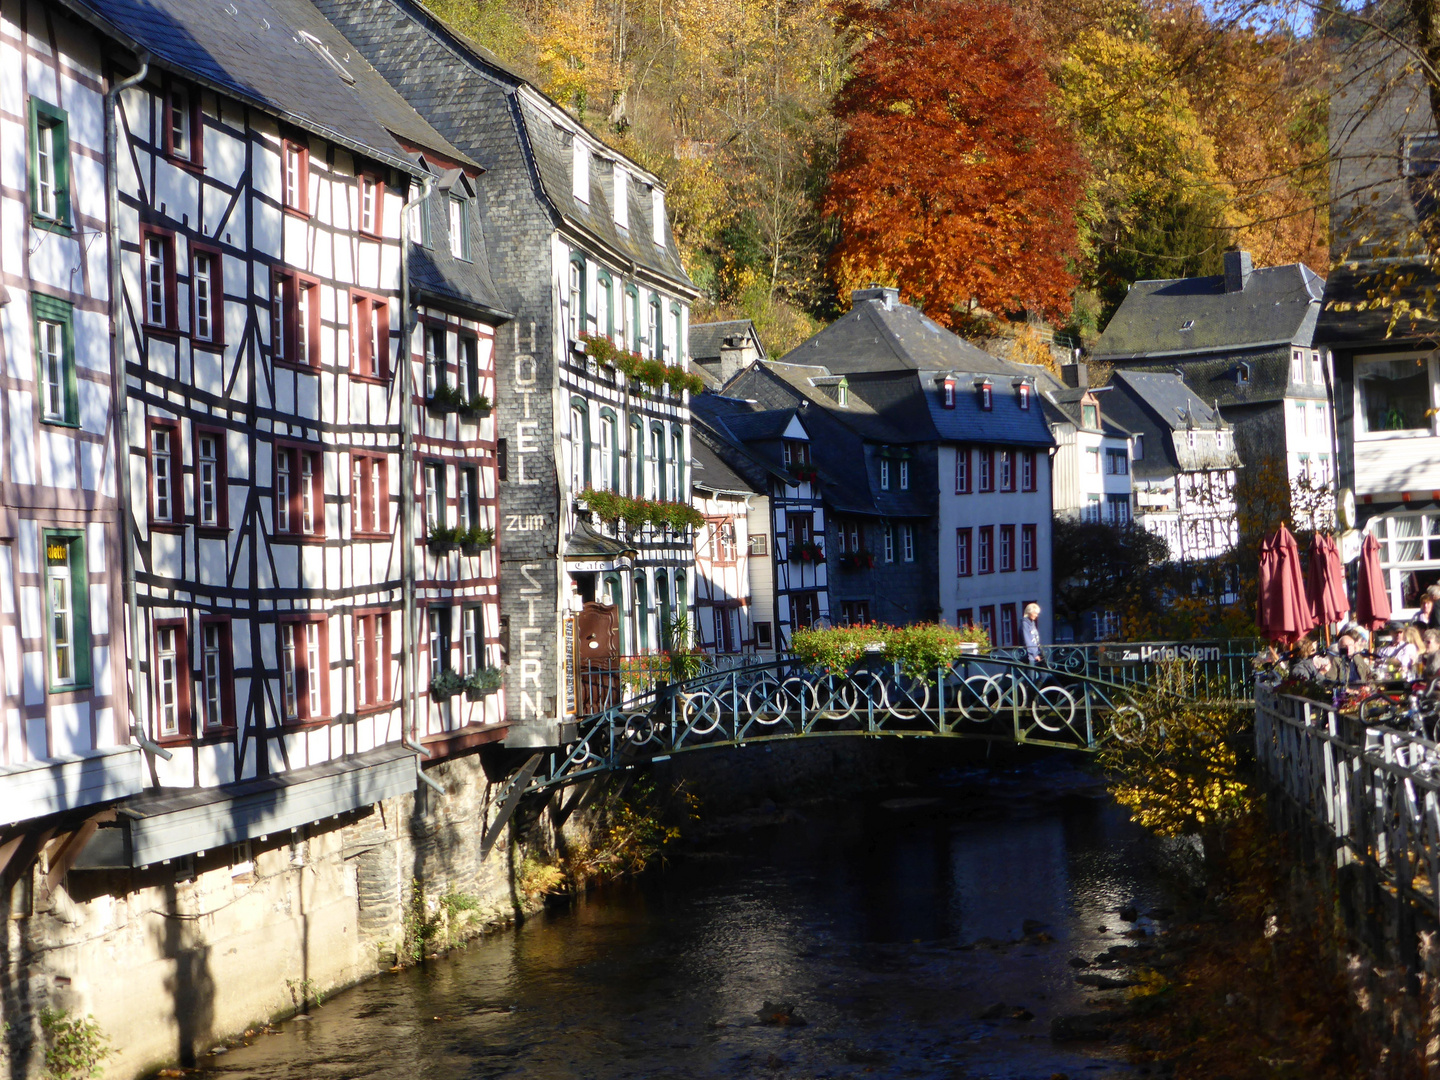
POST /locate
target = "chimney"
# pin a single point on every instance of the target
(1237, 270)
(737, 352)
(887, 296)
(1076, 375)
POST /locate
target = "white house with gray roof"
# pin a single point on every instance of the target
(1242, 340)
(1184, 464)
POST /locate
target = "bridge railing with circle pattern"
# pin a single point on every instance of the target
(991, 696)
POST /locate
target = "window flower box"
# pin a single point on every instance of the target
(446, 685)
(807, 551)
(441, 540)
(445, 399)
(482, 683)
(476, 408)
(473, 541)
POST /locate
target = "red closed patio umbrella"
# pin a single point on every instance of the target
(1285, 614)
(1325, 580)
(1372, 598)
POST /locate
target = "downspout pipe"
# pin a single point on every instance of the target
(408, 319)
(121, 392)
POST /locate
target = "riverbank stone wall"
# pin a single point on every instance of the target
(174, 959)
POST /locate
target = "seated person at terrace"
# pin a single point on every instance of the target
(1430, 659)
(1352, 667)
(1307, 665)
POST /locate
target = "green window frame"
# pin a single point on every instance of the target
(642, 614)
(637, 457)
(667, 612)
(633, 341)
(67, 611)
(53, 328)
(609, 422)
(49, 138)
(615, 594)
(605, 285)
(580, 441)
(577, 299)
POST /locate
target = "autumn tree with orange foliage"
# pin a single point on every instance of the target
(955, 181)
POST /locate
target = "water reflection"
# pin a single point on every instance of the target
(877, 919)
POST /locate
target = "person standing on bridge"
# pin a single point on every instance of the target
(1030, 632)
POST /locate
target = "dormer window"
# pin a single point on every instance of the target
(1025, 397)
(987, 395)
(842, 394)
(1090, 416)
(949, 394)
(580, 170)
(459, 227)
(657, 216)
(622, 197)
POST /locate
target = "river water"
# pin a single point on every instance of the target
(889, 923)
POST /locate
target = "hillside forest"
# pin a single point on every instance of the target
(1006, 164)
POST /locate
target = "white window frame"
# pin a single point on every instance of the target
(51, 351)
(907, 543)
(167, 680)
(162, 475)
(212, 674)
(1361, 435)
(155, 298)
(621, 208)
(208, 480)
(202, 286)
(580, 170)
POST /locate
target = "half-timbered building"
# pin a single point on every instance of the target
(734, 589)
(262, 217)
(780, 442)
(582, 255)
(64, 739)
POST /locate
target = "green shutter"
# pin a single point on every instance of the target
(80, 604)
(53, 309)
(50, 116)
(80, 597)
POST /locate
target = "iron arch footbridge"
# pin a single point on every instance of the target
(1076, 698)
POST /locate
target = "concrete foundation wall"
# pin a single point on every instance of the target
(175, 959)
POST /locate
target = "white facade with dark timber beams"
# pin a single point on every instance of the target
(64, 740)
(580, 246)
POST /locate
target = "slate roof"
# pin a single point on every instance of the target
(1350, 284)
(1171, 401)
(586, 543)
(843, 441)
(1065, 400)
(1005, 423)
(779, 384)
(872, 336)
(480, 104)
(439, 277)
(713, 473)
(257, 56)
(707, 338)
(1277, 306)
(550, 143)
